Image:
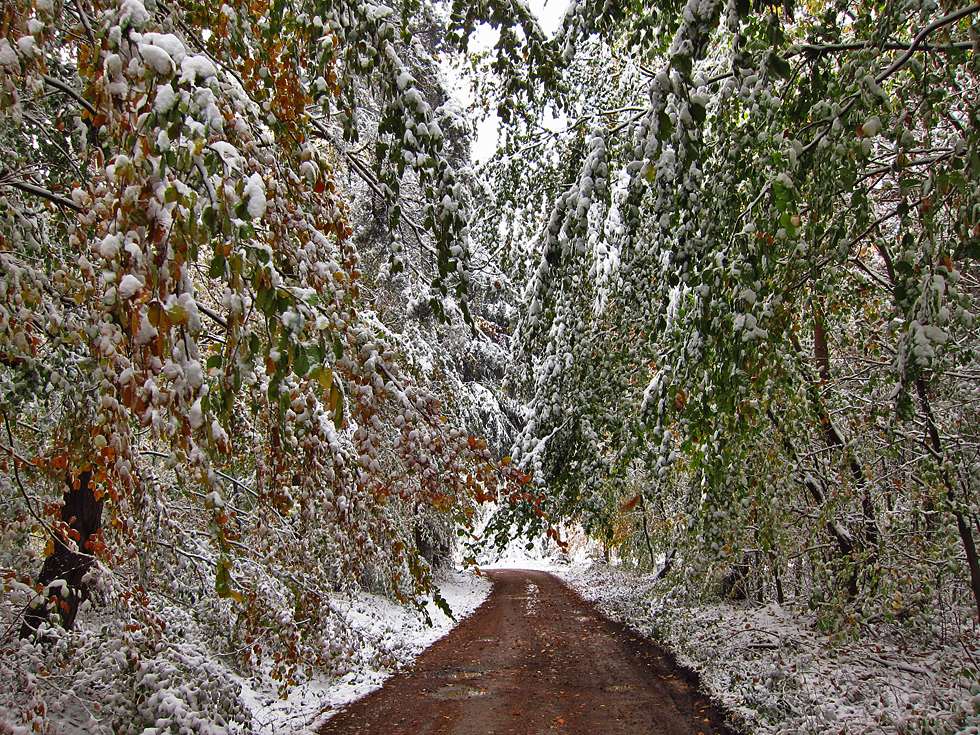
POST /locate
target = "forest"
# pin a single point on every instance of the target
(269, 335)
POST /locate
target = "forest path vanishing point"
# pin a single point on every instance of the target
(535, 658)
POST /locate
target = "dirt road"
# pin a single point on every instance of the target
(535, 658)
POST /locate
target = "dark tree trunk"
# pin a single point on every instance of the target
(646, 531)
(778, 578)
(845, 541)
(862, 552)
(962, 522)
(82, 511)
(821, 354)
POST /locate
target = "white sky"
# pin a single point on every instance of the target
(549, 13)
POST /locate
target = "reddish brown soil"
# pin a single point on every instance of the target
(536, 658)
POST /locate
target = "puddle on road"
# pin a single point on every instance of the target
(457, 691)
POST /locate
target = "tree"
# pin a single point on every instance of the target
(755, 279)
(184, 333)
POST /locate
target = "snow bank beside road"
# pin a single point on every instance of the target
(390, 629)
(777, 674)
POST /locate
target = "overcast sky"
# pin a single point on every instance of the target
(549, 14)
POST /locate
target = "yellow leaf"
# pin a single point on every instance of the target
(336, 402)
(178, 314)
(326, 378)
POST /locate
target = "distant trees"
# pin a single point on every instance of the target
(751, 261)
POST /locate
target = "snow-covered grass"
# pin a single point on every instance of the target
(392, 630)
(776, 673)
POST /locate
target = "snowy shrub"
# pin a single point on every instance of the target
(119, 677)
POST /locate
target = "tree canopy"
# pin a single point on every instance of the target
(750, 259)
(255, 310)
(203, 401)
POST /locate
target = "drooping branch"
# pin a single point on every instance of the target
(43, 193)
(815, 49)
(922, 35)
(62, 87)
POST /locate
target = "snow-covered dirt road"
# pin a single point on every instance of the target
(536, 658)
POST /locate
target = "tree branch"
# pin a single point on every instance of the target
(61, 86)
(917, 42)
(43, 193)
(213, 315)
(812, 49)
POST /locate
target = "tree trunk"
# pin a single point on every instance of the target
(646, 532)
(82, 511)
(962, 523)
(860, 552)
(777, 577)
(840, 534)
(835, 440)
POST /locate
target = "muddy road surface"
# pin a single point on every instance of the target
(535, 659)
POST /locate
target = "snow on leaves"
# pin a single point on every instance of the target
(181, 309)
(792, 217)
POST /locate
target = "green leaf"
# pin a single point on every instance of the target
(208, 218)
(969, 248)
(301, 365)
(441, 603)
(217, 269)
(269, 304)
(683, 64)
(903, 267)
(780, 67)
(222, 581)
(698, 112)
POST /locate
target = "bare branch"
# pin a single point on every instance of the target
(43, 193)
(62, 87)
(212, 315)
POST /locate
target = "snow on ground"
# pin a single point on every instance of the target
(109, 677)
(774, 670)
(771, 666)
(389, 627)
(776, 673)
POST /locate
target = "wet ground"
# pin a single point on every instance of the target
(536, 658)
